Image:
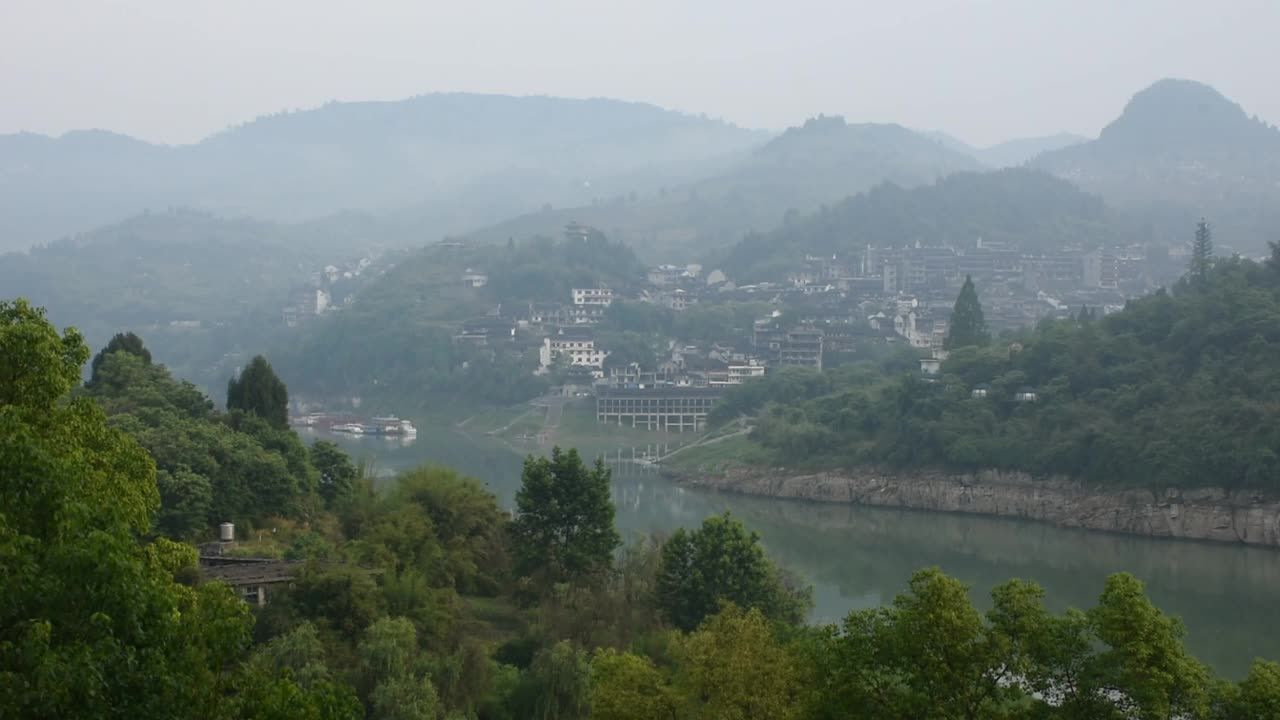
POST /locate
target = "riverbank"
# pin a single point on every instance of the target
(1212, 514)
(571, 423)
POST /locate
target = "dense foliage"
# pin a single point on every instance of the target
(542, 269)
(406, 604)
(211, 467)
(129, 342)
(92, 621)
(1177, 389)
(204, 291)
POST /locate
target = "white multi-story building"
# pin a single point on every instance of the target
(735, 374)
(741, 373)
(580, 352)
(592, 296)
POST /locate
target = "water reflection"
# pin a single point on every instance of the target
(860, 557)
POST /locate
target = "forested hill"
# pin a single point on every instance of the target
(399, 332)
(828, 159)
(1178, 389)
(1179, 151)
(1025, 208)
(462, 159)
(823, 161)
(200, 288)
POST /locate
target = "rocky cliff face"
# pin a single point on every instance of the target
(1195, 514)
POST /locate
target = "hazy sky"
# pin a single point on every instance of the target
(178, 70)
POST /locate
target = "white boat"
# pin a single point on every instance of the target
(352, 428)
(392, 425)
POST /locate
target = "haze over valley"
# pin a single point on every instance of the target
(671, 361)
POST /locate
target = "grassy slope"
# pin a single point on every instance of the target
(715, 458)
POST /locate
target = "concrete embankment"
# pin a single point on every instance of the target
(1213, 514)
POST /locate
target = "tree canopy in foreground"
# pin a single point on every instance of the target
(409, 603)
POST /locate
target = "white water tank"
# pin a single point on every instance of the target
(227, 532)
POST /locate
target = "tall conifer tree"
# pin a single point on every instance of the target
(968, 326)
(1201, 254)
(259, 391)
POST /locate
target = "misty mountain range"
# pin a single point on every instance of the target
(675, 187)
(457, 160)
(452, 163)
(1011, 153)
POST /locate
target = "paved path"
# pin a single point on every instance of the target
(711, 441)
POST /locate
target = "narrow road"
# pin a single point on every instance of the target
(711, 441)
(554, 405)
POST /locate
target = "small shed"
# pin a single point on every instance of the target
(250, 576)
(1025, 394)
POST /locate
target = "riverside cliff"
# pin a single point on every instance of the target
(1195, 514)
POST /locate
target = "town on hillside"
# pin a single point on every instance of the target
(829, 310)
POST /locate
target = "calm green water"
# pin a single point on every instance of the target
(857, 557)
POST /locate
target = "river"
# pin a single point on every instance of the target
(857, 557)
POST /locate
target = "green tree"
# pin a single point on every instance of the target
(928, 654)
(92, 622)
(625, 349)
(733, 668)
(404, 697)
(186, 499)
(722, 562)
(559, 682)
(301, 652)
(388, 649)
(337, 473)
(230, 467)
(466, 524)
(344, 598)
(968, 326)
(258, 391)
(1258, 695)
(629, 687)
(259, 691)
(120, 342)
(1201, 254)
(1272, 263)
(37, 366)
(1143, 663)
(564, 523)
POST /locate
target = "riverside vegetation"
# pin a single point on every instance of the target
(424, 599)
(1178, 389)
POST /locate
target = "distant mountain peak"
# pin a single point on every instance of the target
(832, 133)
(1180, 150)
(822, 122)
(1175, 111)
